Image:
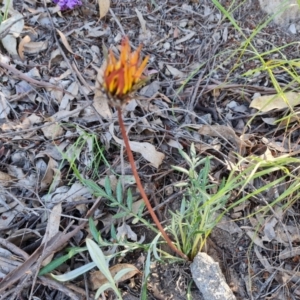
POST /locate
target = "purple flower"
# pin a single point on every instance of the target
(67, 4)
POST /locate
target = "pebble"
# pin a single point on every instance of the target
(293, 29)
(167, 45)
(183, 23)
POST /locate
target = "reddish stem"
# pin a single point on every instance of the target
(141, 189)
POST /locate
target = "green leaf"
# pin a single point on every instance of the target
(193, 150)
(94, 231)
(119, 192)
(59, 261)
(75, 273)
(180, 169)
(107, 186)
(135, 220)
(120, 215)
(113, 232)
(103, 288)
(182, 206)
(186, 157)
(95, 188)
(122, 272)
(102, 263)
(141, 209)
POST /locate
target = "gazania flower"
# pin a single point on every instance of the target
(123, 76)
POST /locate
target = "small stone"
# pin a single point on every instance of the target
(232, 104)
(191, 23)
(167, 45)
(183, 23)
(118, 38)
(293, 29)
(173, 55)
(205, 119)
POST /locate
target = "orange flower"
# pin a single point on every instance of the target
(123, 76)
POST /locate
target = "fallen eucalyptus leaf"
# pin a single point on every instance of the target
(103, 7)
(98, 279)
(269, 102)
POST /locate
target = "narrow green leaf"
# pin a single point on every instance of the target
(107, 186)
(59, 261)
(119, 192)
(180, 169)
(103, 288)
(122, 272)
(120, 215)
(75, 273)
(95, 188)
(182, 206)
(94, 231)
(135, 220)
(141, 209)
(99, 258)
(113, 232)
(185, 157)
(193, 150)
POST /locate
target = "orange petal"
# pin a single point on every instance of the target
(141, 69)
(121, 82)
(125, 51)
(111, 63)
(126, 78)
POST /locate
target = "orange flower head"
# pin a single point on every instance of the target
(123, 76)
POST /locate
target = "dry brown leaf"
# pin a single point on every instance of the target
(52, 228)
(147, 150)
(100, 100)
(98, 279)
(185, 38)
(267, 103)
(4, 107)
(26, 39)
(5, 178)
(224, 132)
(256, 239)
(49, 172)
(14, 25)
(55, 56)
(73, 90)
(104, 6)
(175, 72)
(141, 19)
(35, 47)
(264, 261)
(52, 131)
(288, 253)
(65, 41)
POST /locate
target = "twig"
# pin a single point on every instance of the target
(117, 21)
(47, 282)
(37, 83)
(12, 247)
(141, 189)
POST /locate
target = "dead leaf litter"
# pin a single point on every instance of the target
(57, 130)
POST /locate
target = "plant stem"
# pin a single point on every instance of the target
(141, 189)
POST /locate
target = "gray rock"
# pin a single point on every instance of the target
(209, 278)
